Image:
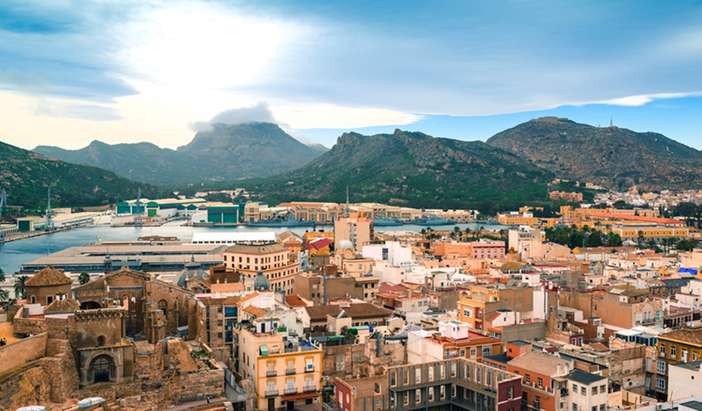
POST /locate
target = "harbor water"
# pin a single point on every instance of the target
(16, 253)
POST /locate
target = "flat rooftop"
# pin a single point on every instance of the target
(147, 257)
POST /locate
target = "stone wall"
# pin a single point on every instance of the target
(32, 326)
(527, 331)
(18, 354)
(47, 376)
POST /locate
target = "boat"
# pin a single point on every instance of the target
(386, 222)
(430, 221)
(289, 221)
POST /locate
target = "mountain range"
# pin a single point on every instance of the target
(221, 154)
(411, 168)
(613, 157)
(26, 177)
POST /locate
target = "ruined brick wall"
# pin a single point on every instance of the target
(46, 380)
(176, 301)
(15, 355)
(32, 326)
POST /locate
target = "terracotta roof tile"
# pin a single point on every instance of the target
(48, 276)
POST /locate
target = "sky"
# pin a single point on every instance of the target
(159, 71)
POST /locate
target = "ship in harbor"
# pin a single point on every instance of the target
(386, 222)
(288, 221)
(431, 221)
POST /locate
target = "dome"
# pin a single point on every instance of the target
(192, 271)
(345, 244)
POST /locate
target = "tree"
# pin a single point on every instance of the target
(686, 244)
(83, 278)
(4, 296)
(20, 286)
(2, 276)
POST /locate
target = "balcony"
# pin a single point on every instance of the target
(271, 373)
(291, 390)
(309, 388)
(290, 371)
(271, 392)
(309, 368)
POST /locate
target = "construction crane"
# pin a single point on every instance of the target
(49, 213)
(3, 203)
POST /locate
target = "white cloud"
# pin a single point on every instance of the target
(256, 113)
(642, 99)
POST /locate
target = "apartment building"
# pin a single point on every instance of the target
(452, 340)
(352, 231)
(479, 302)
(586, 391)
(676, 347)
(219, 314)
(479, 250)
(273, 260)
(455, 384)
(282, 371)
(544, 376)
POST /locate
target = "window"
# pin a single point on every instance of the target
(510, 392)
(594, 408)
(583, 391)
(575, 388)
(594, 391)
(540, 382)
(660, 367)
(418, 395)
(603, 407)
(430, 394)
(660, 383)
(405, 399)
(537, 402)
(430, 373)
(673, 352)
(417, 375)
(603, 389)
(527, 379)
(442, 392)
(575, 407)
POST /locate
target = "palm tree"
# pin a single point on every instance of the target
(83, 278)
(19, 286)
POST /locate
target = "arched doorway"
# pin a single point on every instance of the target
(90, 305)
(102, 369)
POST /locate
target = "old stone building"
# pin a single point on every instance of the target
(46, 286)
(141, 296)
(79, 353)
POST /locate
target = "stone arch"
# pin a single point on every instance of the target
(102, 369)
(90, 305)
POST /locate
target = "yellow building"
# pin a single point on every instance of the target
(675, 347)
(626, 231)
(276, 263)
(515, 218)
(283, 373)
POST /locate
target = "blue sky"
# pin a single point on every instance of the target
(71, 72)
